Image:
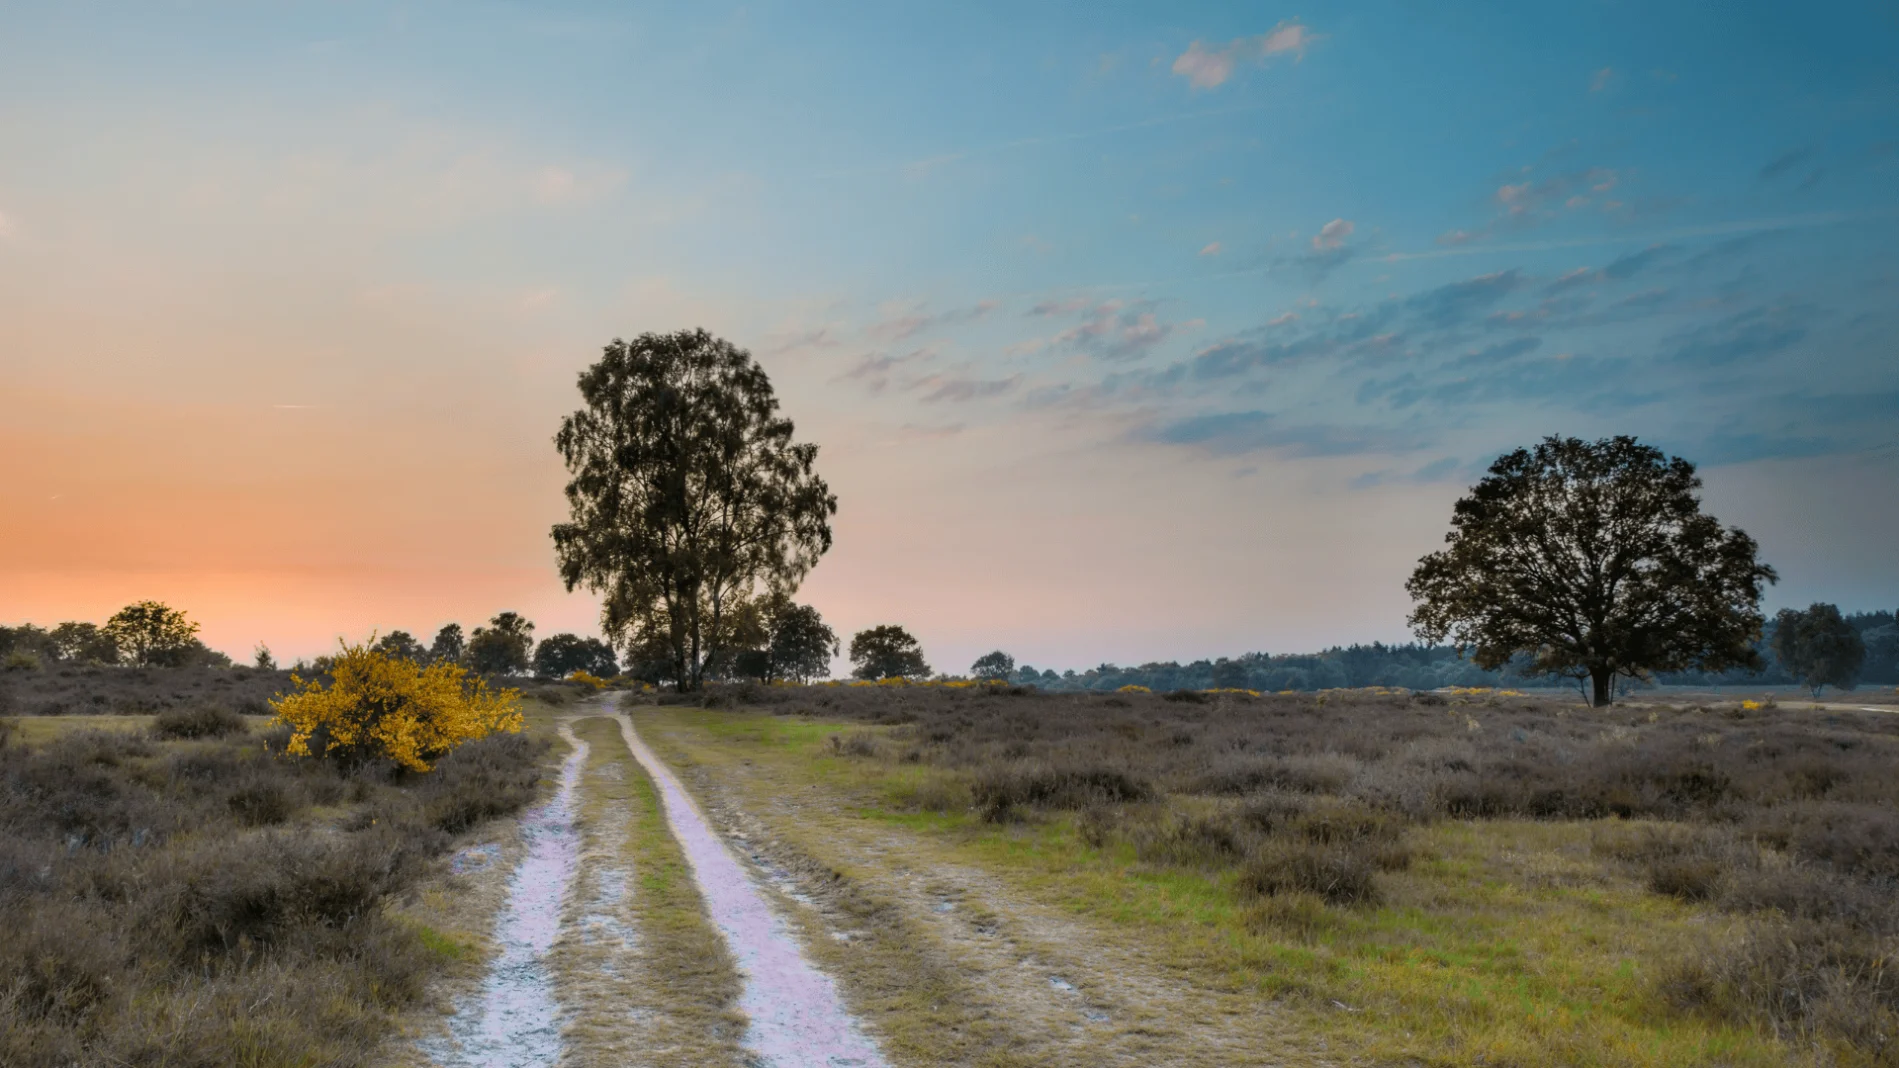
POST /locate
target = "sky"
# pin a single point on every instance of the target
(1126, 332)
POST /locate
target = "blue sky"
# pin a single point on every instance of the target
(1128, 331)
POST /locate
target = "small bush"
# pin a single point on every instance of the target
(1798, 979)
(1342, 875)
(998, 792)
(1685, 878)
(1194, 840)
(203, 721)
(855, 744)
(490, 777)
(262, 801)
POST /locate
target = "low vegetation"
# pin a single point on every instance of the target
(191, 896)
(1785, 823)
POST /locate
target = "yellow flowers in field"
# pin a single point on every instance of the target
(391, 707)
(592, 680)
(1134, 688)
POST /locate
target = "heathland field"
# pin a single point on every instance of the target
(1344, 877)
(986, 875)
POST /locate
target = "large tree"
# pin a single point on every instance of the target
(1593, 560)
(887, 652)
(688, 498)
(1819, 647)
(149, 633)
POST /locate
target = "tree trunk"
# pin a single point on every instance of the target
(1602, 678)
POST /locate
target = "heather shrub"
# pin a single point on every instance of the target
(203, 721)
(163, 907)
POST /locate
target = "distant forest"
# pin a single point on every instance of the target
(1423, 667)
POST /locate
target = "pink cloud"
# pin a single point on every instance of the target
(1209, 68)
(1332, 235)
(1601, 79)
(1212, 249)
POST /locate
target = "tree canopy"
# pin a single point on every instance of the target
(149, 633)
(1593, 560)
(887, 652)
(449, 644)
(1819, 647)
(802, 644)
(83, 643)
(402, 644)
(502, 647)
(563, 654)
(688, 496)
(993, 666)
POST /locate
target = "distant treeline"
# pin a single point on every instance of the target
(1421, 667)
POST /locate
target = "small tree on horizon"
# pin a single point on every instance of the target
(502, 647)
(1593, 560)
(802, 644)
(563, 654)
(449, 644)
(689, 498)
(993, 667)
(1819, 647)
(401, 643)
(151, 633)
(887, 652)
(82, 643)
(261, 658)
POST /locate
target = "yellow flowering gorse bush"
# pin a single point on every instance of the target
(391, 707)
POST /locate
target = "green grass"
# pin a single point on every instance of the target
(1506, 942)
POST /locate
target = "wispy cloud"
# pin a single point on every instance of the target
(1207, 67)
(1602, 79)
(1237, 433)
(1212, 248)
(936, 388)
(1783, 163)
(900, 324)
(1738, 226)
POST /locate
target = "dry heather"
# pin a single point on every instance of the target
(205, 902)
(1787, 820)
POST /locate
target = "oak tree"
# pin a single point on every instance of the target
(1593, 560)
(887, 652)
